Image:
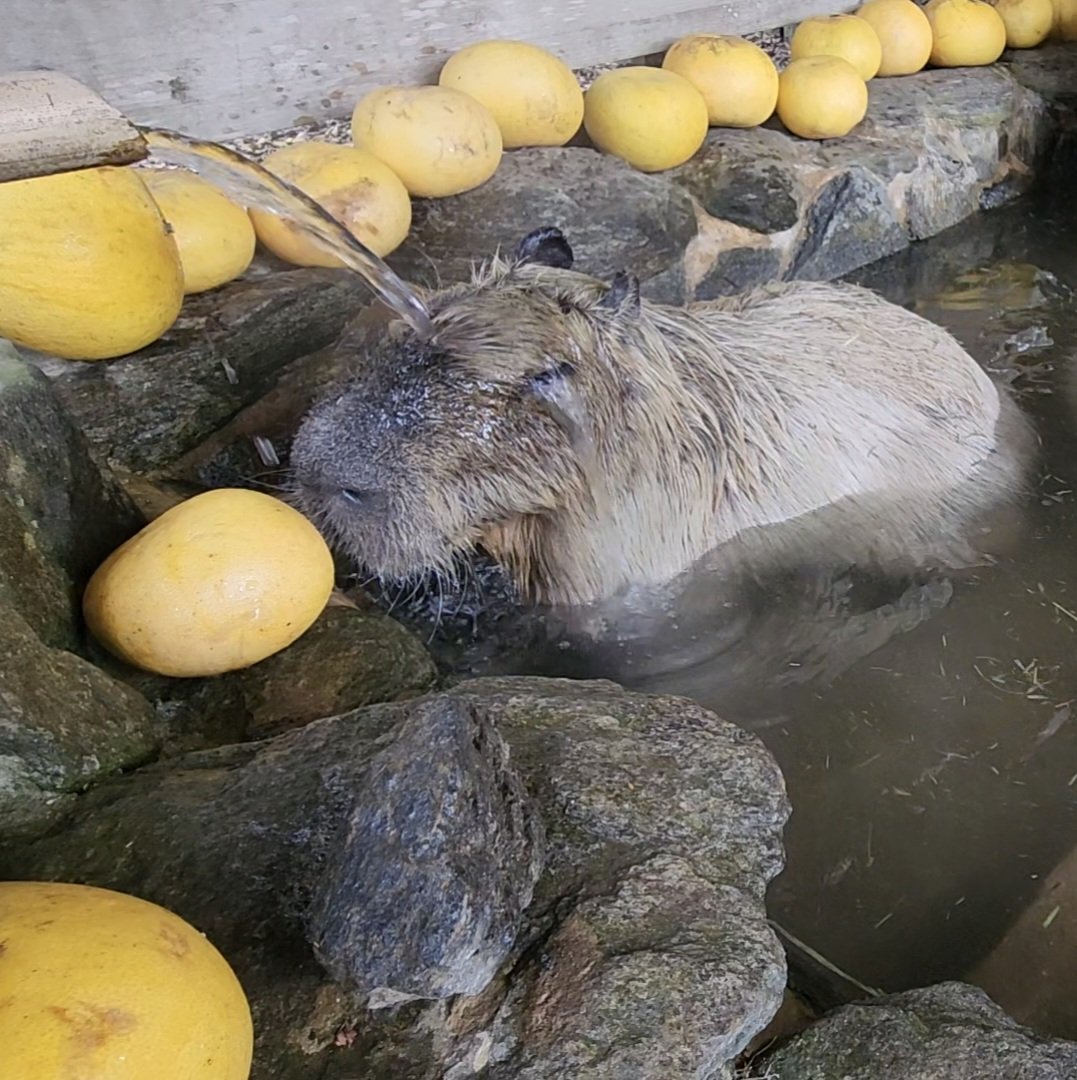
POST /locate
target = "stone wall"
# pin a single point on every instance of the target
(760, 204)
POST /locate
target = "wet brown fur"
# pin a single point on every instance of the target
(674, 430)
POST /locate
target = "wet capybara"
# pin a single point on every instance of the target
(591, 441)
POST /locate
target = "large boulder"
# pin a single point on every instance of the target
(225, 351)
(645, 950)
(950, 1031)
(61, 511)
(348, 658)
(63, 725)
(615, 218)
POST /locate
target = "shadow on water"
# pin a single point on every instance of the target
(922, 719)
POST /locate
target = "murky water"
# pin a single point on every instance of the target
(254, 186)
(923, 720)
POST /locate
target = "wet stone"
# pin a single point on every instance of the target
(225, 351)
(645, 942)
(850, 223)
(1048, 71)
(748, 178)
(61, 511)
(347, 659)
(230, 456)
(614, 217)
(950, 1031)
(439, 859)
(738, 269)
(663, 934)
(64, 724)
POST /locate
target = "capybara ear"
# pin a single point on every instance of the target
(622, 297)
(546, 247)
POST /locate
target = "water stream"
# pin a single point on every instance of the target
(252, 185)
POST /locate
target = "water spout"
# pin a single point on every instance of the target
(252, 184)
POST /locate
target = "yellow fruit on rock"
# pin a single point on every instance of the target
(216, 583)
(649, 117)
(904, 34)
(1028, 22)
(100, 985)
(533, 95)
(848, 36)
(88, 267)
(438, 140)
(360, 191)
(738, 81)
(968, 33)
(215, 237)
(821, 97)
(1064, 25)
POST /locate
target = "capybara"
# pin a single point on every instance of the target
(590, 440)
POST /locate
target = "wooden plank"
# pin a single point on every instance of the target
(51, 123)
(223, 68)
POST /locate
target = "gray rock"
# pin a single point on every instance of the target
(738, 269)
(614, 217)
(663, 828)
(849, 224)
(1048, 71)
(749, 178)
(224, 352)
(229, 457)
(938, 139)
(664, 943)
(933, 149)
(438, 861)
(63, 725)
(347, 659)
(61, 512)
(950, 1031)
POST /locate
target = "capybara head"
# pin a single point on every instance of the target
(440, 445)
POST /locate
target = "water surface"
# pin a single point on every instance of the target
(923, 721)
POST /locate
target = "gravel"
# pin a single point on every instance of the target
(772, 42)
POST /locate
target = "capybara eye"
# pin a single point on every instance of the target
(550, 375)
(352, 495)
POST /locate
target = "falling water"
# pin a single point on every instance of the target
(254, 185)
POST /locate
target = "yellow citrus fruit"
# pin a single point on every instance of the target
(532, 94)
(438, 140)
(100, 985)
(218, 582)
(357, 189)
(1064, 25)
(848, 36)
(1028, 22)
(821, 97)
(738, 81)
(904, 34)
(649, 117)
(968, 33)
(88, 267)
(215, 237)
